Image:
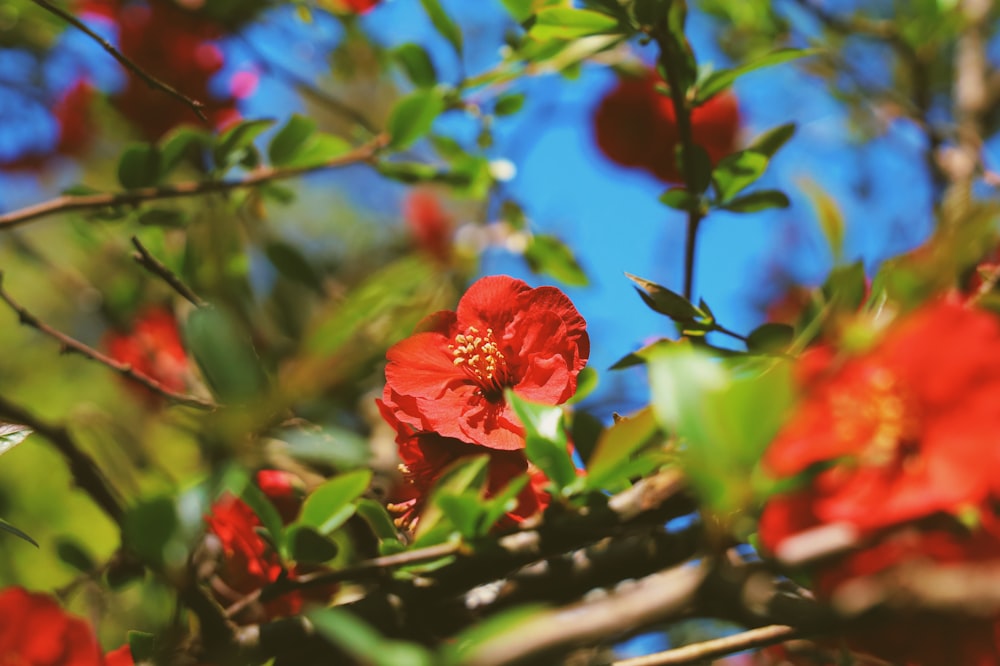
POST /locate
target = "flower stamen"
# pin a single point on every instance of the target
(480, 355)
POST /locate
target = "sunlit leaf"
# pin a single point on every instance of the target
(721, 79)
(12, 434)
(568, 23)
(413, 116)
(329, 506)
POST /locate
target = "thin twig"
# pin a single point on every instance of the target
(124, 369)
(159, 269)
(362, 569)
(86, 474)
(67, 203)
(699, 652)
(150, 80)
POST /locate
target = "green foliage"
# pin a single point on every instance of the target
(333, 503)
(547, 255)
(225, 355)
(566, 23)
(630, 448)
(715, 82)
(545, 440)
(139, 166)
(362, 642)
(412, 117)
(417, 64)
(235, 145)
(444, 24)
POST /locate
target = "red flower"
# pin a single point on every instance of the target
(71, 111)
(285, 490)
(636, 126)
(907, 429)
(121, 656)
(430, 223)
(35, 631)
(153, 348)
(355, 6)
(450, 377)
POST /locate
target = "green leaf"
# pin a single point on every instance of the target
(831, 220)
(319, 149)
(721, 79)
(770, 141)
(168, 218)
(550, 256)
(546, 444)
(412, 117)
(640, 356)
(458, 477)
(262, 507)
(142, 646)
(232, 145)
(291, 263)
(180, 143)
(330, 505)
(726, 419)
(616, 447)
(443, 24)
(309, 546)
(12, 434)
(375, 514)
(474, 644)
(361, 641)
(416, 64)
(520, 10)
(149, 530)
(73, 554)
(290, 139)
(679, 198)
(10, 529)
(506, 500)
(736, 172)
(465, 511)
(586, 382)
(139, 166)
(508, 105)
(225, 355)
(666, 302)
(771, 338)
(757, 201)
(568, 23)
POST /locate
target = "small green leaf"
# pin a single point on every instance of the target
(586, 382)
(443, 24)
(269, 517)
(465, 511)
(361, 641)
(291, 263)
(640, 356)
(568, 23)
(225, 355)
(168, 218)
(463, 474)
(309, 546)
(150, 531)
(546, 443)
(831, 220)
(412, 117)
(330, 505)
(180, 143)
(290, 139)
(665, 301)
(378, 518)
(771, 338)
(73, 554)
(757, 201)
(520, 10)
(721, 79)
(476, 643)
(319, 149)
(550, 256)
(139, 166)
(507, 105)
(142, 646)
(770, 141)
(616, 447)
(232, 145)
(12, 434)
(10, 529)
(679, 198)
(736, 172)
(416, 64)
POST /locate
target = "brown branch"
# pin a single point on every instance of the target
(73, 345)
(67, 203)
(159, 269)
(86, 474)
(150, 80)
(719, 647)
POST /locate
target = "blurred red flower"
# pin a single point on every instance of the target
(905, 430)
(359, 6)
(285, 490)
(449, 377)
(121, 656)
(636, 126)
(430, 224)
(35, 631)
(153, 348)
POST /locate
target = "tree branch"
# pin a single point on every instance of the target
(124, 369)
(159, 269)
(719, 647)
(67, 203)
(150, 80)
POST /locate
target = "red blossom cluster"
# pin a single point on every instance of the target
(431, 225)
(445, 385)
(153, 348)
(896, 444)
(176, 45)
(36, 631)
(248, 562)
(355, 6)
(635, 125)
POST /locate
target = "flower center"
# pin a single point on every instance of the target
(479, 354)
(882, 416)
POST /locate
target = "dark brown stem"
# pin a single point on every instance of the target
(67, 203)
(73, 345)
(86, 474)
(157, 268)
(719, 647)
(150, 80)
